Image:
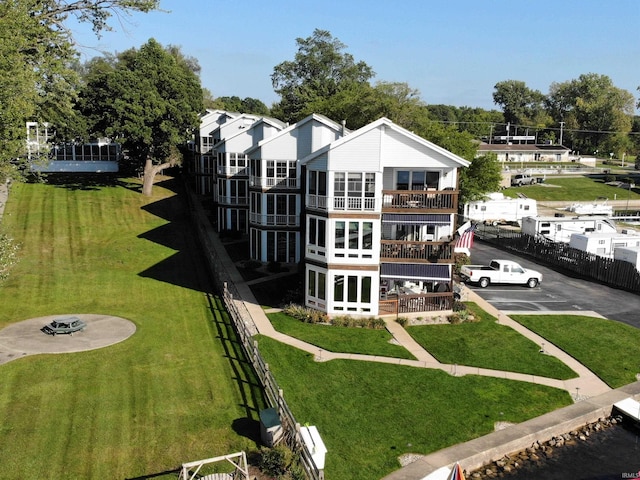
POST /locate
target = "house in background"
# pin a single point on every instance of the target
(521, 153)
(98, 156)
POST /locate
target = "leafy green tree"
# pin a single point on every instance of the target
(520, 104)
(597, 115)
(320, 70)
(236, 104)
(481, 177)
(150, 99)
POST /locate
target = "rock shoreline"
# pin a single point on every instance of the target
(539, 451)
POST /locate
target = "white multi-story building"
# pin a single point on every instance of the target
(371, 213)
(380, 208)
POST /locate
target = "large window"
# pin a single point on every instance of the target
(317, 183)
(317, 231)
(339, 243)
(417, 180)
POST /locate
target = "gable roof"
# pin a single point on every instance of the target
(314, 116)
(383, 121)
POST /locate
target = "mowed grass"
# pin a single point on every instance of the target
(176, 391)
(340, 339)
(608, 348)
(574, 189)
(369, 414)
(486, 344)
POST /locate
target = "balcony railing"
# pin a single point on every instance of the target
(274, 220)
(403, 200)
(320, 202)
(230, 200)
(274, 182)
(423, 252)
(230, 171)
(421, 302)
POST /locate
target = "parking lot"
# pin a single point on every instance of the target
(558, 292)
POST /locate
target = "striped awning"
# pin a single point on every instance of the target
(416, 219)
(433, 272)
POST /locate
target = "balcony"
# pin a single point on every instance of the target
(274, 220)
(353, 204)
(232, 200)
(232, 171)
(416, 303)
(416, 252)
(419, 200)
(274, 182)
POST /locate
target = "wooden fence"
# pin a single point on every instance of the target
(245, 329)
(614, 273)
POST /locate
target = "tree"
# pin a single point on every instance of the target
(520, 105)
(597, 115)
(149, 99)
(481, 177)
(37, 78)
(319, 71)
(236, 104)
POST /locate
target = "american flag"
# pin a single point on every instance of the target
(466, 237)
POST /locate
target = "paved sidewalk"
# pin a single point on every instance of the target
(585, 386)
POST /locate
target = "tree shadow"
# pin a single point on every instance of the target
(157, 475)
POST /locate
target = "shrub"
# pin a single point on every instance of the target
(609, 178)
(304, 314)
(403, 321)
(275, 461)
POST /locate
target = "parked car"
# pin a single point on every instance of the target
(522, 179)
(500, 271)
(66, 325)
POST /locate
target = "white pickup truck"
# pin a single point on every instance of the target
(500, 271)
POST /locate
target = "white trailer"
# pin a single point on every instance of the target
(603, 244)
(628, 254)
(497, 208)
(560, 228)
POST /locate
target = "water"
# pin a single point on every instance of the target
(611, 454)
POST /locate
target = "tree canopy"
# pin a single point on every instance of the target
(149, 99)
(319, 71)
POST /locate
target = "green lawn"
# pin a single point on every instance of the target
(608, 348)
(574, 189)
(340, 339)
(369, 414)
(486, 344)
(176, 391)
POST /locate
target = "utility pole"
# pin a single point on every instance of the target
(561, 127)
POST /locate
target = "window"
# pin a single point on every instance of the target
(312, 284)
(317, 231)
(365, 284)
(322, 279)
(352, 289)
(339, 184)
(354, 228)
(338, 288)
(339, 243)
(367, 235)
(369, 184)
(354, 184)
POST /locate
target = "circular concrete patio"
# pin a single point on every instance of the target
(25, 338)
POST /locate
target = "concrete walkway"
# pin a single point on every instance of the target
(586, 385)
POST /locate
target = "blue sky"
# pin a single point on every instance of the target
(452, 51)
